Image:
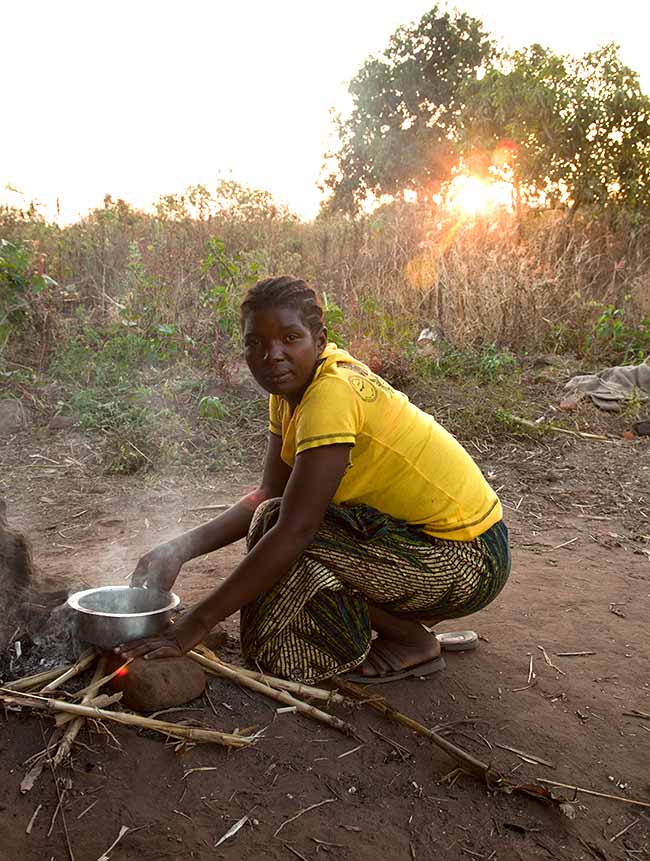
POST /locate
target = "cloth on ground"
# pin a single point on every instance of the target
(609, 389)
(315, 623)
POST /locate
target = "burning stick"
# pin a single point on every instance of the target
(83, 661)
(175, 730)
(213, 665)
(91, 689)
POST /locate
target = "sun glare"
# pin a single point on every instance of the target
(469, 195)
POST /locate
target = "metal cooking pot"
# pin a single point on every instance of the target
(110, 615)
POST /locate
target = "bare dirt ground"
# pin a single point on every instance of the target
(579, 514)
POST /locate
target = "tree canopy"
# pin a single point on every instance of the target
(400, 133)
(569, 131)
(576, 130)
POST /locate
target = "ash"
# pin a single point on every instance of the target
(37, 647)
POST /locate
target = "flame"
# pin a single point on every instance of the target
(122, 671)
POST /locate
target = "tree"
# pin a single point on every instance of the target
(401, 131)
(576, 130)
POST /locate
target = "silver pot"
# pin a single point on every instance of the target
(110, 615)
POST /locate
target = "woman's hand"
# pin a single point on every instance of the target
(161, 646)
(173, 641)
(158, 569)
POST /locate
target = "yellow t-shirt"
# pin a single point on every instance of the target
(402, 462)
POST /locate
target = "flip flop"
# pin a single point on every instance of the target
(457, 641)
(426, 668)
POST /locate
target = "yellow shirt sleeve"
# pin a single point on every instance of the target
(275, 416)
(329, 413)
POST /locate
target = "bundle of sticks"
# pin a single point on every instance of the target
(38, 692)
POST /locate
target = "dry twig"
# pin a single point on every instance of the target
(549, 661)
(302, 812)
(469, 763)
(594, 792)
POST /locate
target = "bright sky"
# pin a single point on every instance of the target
(140, 98)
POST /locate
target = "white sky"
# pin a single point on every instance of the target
(142, 98)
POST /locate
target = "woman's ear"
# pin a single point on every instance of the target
(322, 339)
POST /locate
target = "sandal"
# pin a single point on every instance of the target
(424, 668)
(457, 641)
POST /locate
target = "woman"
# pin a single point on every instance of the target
(369, 516)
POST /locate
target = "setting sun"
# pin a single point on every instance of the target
(470, 195)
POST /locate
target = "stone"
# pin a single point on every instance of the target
(14, 415)
(569, 404)
(158, 683)
(217, 637)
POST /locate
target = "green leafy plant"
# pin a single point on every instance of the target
(333, 317)
(612, 336)
(19, 287)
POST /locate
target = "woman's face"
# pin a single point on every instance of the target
(281, 351)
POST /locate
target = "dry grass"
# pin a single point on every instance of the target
(535, 284)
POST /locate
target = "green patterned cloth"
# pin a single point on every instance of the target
(315, 623)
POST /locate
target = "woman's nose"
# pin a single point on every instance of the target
(273, 352)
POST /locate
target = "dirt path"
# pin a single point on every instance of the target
(579, 515)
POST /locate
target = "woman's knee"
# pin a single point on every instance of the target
(264, 518)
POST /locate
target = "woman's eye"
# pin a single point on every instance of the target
(292, 337)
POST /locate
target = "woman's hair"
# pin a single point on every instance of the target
(285, 292)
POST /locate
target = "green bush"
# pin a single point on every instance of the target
(615, 339)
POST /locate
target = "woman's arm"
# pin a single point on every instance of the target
(160, 567)
(311, 486)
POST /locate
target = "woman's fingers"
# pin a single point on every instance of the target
(152, 647)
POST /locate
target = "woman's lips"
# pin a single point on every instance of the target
(279, 378)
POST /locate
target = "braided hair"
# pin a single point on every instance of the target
(285, 292)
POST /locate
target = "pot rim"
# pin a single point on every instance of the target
(73, 602)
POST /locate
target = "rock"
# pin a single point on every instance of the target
(14, 415)
(158, 683)
(642, 428)
(217, 637)
(569, 403)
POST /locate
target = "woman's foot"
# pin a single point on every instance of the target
(389, 659)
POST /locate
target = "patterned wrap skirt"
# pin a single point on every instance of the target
(315, 623)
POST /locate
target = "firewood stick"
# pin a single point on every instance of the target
(83, 661)
(219, 669)
(72, 731)
(465, 759)
(38, 679)
(101, 701)
(183, 732)
(281, 684)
